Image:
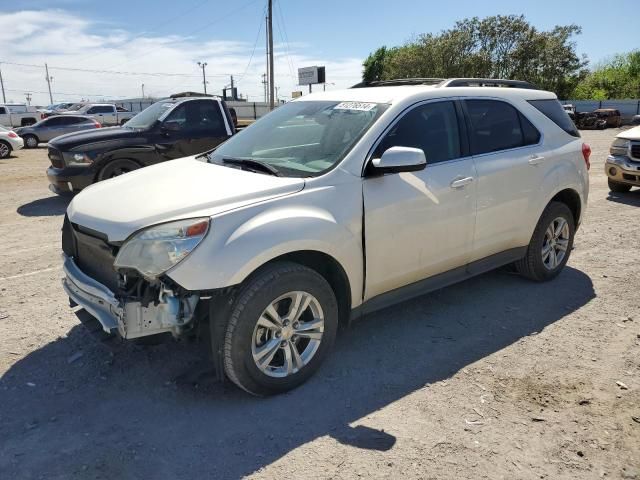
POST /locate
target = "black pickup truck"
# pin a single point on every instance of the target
(169, 129)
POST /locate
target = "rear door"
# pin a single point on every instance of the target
(51, 128)
(510, 163)
(419, 224)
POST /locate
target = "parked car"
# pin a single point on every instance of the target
(18, 115)
(623, 163)
(9, 141)
(52, 127)
(55, 109)
(333, 205)
(610, 115)
(107, 114)
(589, 121)
(635, 120)
(169, 129)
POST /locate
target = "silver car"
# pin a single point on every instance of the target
(52, 127)
(330, 207)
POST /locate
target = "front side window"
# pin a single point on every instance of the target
(496, 126)
(199, 116)
(433, 128)
(302, 138)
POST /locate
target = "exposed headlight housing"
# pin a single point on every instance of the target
(156, 249)
(78, 159)
(620, 146)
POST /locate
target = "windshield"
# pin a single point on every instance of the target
(302, 139)
(149, 115)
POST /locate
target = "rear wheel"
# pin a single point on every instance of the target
(282, 326)
(617, 187)
(30, 141)
(116, 168)
(5, 149)
(550, 245)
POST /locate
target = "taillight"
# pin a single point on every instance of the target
(586, 153)
(13, 134)
(42, 116)
(97, 125)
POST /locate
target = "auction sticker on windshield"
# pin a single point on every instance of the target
(365, 107)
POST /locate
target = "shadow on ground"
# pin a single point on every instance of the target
(45, 207)
(119, 413)
(630, 198)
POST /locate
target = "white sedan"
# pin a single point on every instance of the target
(9, 141)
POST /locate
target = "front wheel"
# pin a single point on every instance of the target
(617, 187)
(550, 245)
(283, 324)
(116, 168)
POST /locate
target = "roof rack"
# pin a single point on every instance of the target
(399, 82)
(487, 82)
(450, 82)
(190, 94)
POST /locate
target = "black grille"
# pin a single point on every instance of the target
(632, 178)
(55, 156)
(635, 150)
(93, 255)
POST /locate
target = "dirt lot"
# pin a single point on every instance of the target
(493, 378)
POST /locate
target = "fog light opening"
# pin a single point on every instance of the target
(613, 171)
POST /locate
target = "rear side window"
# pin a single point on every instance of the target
(558, 115)
(496, 126)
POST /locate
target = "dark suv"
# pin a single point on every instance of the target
(169, 129)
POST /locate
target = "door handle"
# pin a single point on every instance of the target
(461, 182)
(535, 159)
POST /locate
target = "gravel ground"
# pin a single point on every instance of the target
(492, 378)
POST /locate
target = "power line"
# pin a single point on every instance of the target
(255, 45)
(217, 20)
(285, 38)
(115, 72)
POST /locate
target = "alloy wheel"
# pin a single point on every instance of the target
(4, 150)
(555, 243)
(288, 334)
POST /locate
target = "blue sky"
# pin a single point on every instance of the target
(169, 36)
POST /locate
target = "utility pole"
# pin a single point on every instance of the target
(204, 76)
(143, 90)
(233, 97)
(271, 76)
(4, 99)
(264, 84)
(28, 97)
(46, 67)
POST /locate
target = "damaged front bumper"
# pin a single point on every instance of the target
(129, 317)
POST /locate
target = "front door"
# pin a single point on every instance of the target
(420, 224)
(201, 127)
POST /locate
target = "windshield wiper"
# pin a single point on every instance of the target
(253, 165)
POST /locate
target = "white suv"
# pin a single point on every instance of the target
(331, 206)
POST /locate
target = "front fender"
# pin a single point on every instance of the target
(235, 248)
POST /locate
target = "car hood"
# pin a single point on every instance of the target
(631, 134)
(76, 140)
(174, 190)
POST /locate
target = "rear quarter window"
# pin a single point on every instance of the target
(553, 110)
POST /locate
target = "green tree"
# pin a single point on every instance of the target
(495, 47)
(618, 77)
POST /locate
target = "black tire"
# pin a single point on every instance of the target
(248, 305)
(617, 187)
(115, 168)
(6, 149)
(532, 265)
(29, 139)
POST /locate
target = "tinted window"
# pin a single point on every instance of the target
(3, 111)
(54, 122)
(432, 127)
(496, 125)
(199, 116)
(73, 120)
(101, 109)
(554, 112)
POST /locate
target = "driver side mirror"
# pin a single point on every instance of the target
(400, 159)
(171, 126)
